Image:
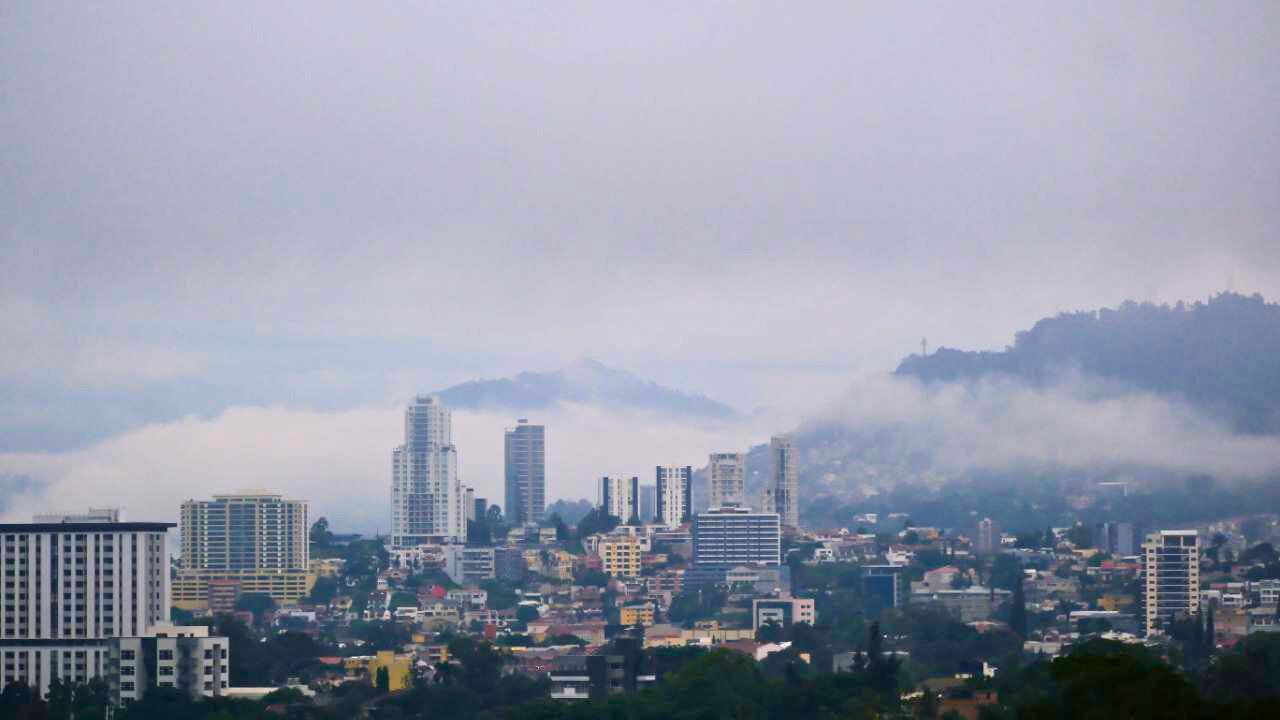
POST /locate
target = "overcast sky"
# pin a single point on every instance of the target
(323, 207)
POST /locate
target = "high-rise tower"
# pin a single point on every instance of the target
(784, 484)
(727, 479)
(1171, 578)
(426, 495)
(619, 496)
(526, 473)
(675, 494)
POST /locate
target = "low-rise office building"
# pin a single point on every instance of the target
(735, 535)
(172, 656)
(783, 612)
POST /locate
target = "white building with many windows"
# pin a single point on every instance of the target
(727, 479)
(675, 495)
(71, 584)
(1171, 577)
(426, 494)
(174, 656)
(619, 496)
(736, 536)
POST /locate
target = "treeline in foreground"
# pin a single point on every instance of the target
(1097, 679)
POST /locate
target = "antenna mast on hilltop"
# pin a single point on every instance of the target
(924, 347)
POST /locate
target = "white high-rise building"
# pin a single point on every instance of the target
(727, 479)
(675, 494)
(1171, 575)
(72, 584)
(620, 497)
(426, 494)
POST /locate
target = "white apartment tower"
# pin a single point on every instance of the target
(1171, 574)
(620, 497)
(426, 495)
(71, 584)
(728, 473)
(675, 494)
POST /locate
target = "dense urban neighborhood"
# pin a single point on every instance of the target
(722, 612)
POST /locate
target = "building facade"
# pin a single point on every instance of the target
(620, 556)
(1117, 538)
(736, 536)
(173, 656)
(1171, 577)
(621, 668)
(784, 484)
(675, 494)
(620, 497)
(783, 612)
(70, 587)
(987, 538)
(727, 478)
(259, 541)
(426, 495)
(526, 473)
(885, 582)
(648, 503)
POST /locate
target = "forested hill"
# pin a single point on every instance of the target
(1222, 355)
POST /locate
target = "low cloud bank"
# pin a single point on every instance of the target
(1002, 424)
(341, 461)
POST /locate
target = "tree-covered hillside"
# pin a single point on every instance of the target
(1222, 355)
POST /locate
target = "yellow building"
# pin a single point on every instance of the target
(1115, 602)
(365, 667)
(286, 587)
(631, 615)
(620, 556)
(327, 567)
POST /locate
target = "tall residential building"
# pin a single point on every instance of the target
(675, 494)
(256, 541)
(526, 473)
(727, 478)
(648, 503)
(1171, 574)
(426, 495)
(987, 539)
(72, 586)
(620, 497)
(469, 504)
(784, 482)
(736, 536)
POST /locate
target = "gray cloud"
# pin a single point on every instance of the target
(322, 206)
(889, 428)
(341, 461)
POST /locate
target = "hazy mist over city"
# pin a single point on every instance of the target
(235, 239)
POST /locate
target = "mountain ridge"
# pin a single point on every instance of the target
(1220, 356)
(584, 381)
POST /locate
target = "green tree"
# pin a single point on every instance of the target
(383, 680)
(1018, 611)
(320, 534)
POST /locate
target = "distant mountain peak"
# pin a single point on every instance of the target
(587, 381)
